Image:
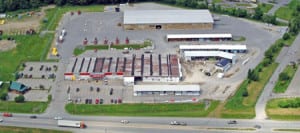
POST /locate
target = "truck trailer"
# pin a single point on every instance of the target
(70, 123)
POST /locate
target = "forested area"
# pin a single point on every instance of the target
(12, 5)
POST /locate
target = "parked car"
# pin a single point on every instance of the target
(1, 119)
(33, 117)
(124, 121)
(91, 88)
(7, 114)
(101, 101)
(116, 101)
(232, 122)
(119, 100)
(97, 101)
(98, 89)
(77, 89)
(58, 118)
(111, 100)
(111, 91)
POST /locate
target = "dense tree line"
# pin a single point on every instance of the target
(12, 5)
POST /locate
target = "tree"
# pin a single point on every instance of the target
(19, 99)
(284, 76)
(3, 96)
(2, 6)
(286, 36)
(60, 2)
(35, 3)
(258, 13)
(269, 19)
(245, 93)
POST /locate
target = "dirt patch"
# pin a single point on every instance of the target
(20, 26)
(6, 45)
(193, 71)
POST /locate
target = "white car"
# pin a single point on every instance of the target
(58, 118)
(1, 120)
(178, 123)
(124, 121)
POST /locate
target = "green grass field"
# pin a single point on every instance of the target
(217, 1)
(29, 48)
(287, 130)
(281, 86)
(175, 109)
(27, 107)
(265, 7)
(54, 15)
(238, 106)
(13, 129)
(78, 51)
(286, 11)
(275, 112)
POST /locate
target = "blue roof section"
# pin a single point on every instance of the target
(17, 86)
(222, 62)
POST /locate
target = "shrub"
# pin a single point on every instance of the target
(49, 98)
(3, 96)
(245, 93)
(286, 36)
(19, 99)
(284, 76)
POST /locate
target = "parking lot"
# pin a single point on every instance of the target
(106, 25)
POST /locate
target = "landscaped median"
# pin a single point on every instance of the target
(285, 78)
(81, 49)
(284, 109)
(242, 103)
(12, 129)
(162, 109)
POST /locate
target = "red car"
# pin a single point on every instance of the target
(7, 114)
(97, 101)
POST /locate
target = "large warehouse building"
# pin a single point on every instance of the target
(167, 19)
(145, 67)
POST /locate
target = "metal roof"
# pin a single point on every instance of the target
(167, 16)
(166, 88)
(214, 47)
(209, 54)
(169, 36)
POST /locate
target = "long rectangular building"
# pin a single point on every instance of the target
(145, 67)
(167, 19)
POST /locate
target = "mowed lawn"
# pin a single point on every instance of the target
(164, 109)
(27, 107)
(275, 112)
(285, 12)
(238, 106)
(13, 129)
(54, 15)
(265, 7)
(28, 48)
(281, 86)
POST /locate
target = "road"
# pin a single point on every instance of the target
(146, 124)
(286, 55)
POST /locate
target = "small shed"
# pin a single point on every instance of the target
(18, 87)
(223, 65)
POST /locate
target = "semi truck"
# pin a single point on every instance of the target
(71, 123)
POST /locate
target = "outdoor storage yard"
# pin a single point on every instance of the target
(142, 64)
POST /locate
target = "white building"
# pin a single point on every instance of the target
(176, 90)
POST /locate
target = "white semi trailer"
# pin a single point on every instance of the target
(70, 123)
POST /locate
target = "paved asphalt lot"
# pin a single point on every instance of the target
(105, 25)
